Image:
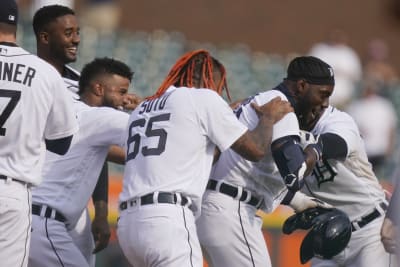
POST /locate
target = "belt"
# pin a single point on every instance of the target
(236, 192)
(3, 177)
(366, 219)
(157, 197)
(47, 212)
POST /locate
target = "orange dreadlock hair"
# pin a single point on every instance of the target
(191, 69)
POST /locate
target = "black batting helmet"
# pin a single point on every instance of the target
(328, 237)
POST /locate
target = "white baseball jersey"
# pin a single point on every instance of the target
(171, 142)
(69, 180)
(240, 241)
(348, 184)
(34, 105)
(263, 177)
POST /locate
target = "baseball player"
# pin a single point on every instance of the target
(238, 188)
(69, 180)
(170, 142)
(35, 114)
(58, 37)
(344, 177)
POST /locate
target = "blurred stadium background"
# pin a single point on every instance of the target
(254, 39)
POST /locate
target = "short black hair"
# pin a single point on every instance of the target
(312, 69)
(48, 14)
(101, 66)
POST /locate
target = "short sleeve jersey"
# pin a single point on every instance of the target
(69, 180)
(349, 183)
(261, 177)
(34, 105)
(171, 141)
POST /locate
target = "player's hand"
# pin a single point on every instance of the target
(301, 202)
(101, 233)
(309, 141)
(389, 236)
(307, 138)
(275, 109)
(131, 101)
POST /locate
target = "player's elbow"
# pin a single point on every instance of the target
(256, 155)
(251, 154)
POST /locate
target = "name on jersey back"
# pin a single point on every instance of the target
(154, 104)
(16, 72)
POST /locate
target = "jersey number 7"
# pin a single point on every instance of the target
(14, 98)
(150, 132)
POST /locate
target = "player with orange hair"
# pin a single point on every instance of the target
(186, 69)
(171, 138)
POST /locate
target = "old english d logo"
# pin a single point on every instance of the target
(324, 172)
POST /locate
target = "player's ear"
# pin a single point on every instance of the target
(300, 87)
(44, 37)
(98, 89)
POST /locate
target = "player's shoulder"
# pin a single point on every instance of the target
(199, 96)
(89, 113)
(332, 116)
(108, 112)
(266, 96)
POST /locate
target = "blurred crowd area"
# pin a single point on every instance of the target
(367, 88)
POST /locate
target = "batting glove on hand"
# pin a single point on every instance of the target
(301, 202)
(308, 139)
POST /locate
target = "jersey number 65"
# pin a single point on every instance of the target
(149, 133)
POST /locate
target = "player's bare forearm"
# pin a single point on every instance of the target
(310, 159)
(100, 209)
(116, 154)
(253, 145)
(100, 227)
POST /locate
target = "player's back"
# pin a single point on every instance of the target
(28, 88)
(171, 141)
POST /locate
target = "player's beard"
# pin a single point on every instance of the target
(308, 119)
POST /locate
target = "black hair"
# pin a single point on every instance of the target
(100, 66)
(48, 14)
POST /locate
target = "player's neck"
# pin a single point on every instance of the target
(90, 101)
(59, 65)
(7, 38)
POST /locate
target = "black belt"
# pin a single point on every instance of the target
(233, 191)
(163, 197)
(48, 213)
(358, 224)
(3, 177)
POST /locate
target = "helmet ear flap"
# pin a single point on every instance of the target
(307, 247)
